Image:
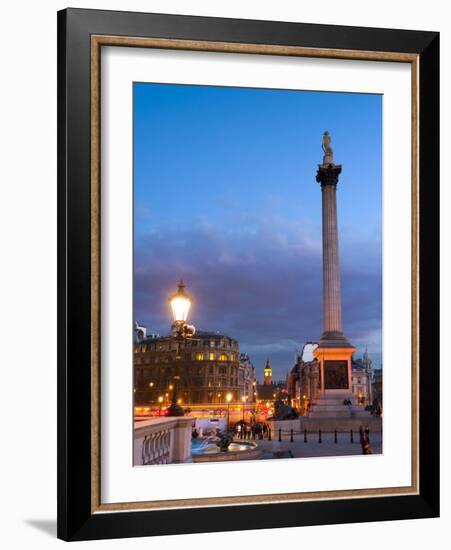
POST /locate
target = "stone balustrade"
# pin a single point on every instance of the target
(162, 441)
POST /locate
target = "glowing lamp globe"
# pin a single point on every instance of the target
(180, 304)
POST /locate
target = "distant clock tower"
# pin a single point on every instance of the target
(267, 373)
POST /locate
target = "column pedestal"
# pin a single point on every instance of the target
(335, 372)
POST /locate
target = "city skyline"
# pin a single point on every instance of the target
(226, 198)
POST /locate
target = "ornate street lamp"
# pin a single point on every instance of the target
(229, 397)
(180, 303)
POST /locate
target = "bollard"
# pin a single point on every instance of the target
(291, 436)
(352, 436)
(305, 436)
(335, 436)
(319, 437)
(269, 434)
(280, 434)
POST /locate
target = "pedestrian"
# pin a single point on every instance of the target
(366, 449)
(361, 435)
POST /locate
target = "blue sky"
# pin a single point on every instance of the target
(225, 197)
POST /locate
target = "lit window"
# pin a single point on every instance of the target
(223, 357)
(212, 356)
(199, 356)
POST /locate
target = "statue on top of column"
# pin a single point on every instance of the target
(326, 145)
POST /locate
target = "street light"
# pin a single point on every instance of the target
(180, 303)
(160, 401)
(228, 399)
(244, 399)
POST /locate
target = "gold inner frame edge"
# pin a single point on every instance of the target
(97, 41)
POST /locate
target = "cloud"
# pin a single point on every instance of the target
(257, 279)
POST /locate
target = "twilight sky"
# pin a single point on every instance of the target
(225, 197)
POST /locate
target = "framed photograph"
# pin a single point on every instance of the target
(248, 274)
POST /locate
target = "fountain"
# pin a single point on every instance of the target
(221, 447)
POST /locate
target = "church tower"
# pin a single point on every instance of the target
(267, 373)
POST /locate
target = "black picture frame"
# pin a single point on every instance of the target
(76, 521)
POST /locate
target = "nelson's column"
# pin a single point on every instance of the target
(334, 351)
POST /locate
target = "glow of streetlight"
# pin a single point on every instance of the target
(180, 304)
(229, 397)
(150, 384)
(160, 399)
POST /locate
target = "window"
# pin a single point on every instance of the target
(211, 356)
(212, 343)
(199, 356)
(223, 357)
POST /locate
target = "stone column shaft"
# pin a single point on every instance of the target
(331, 266)
(327, 176)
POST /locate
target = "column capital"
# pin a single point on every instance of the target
(327, 174)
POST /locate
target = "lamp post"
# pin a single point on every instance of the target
(243, 399)
(228, 399)
(160, 401)
(180, 305)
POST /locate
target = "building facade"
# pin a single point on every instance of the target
(204, 369)
(377, 387)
